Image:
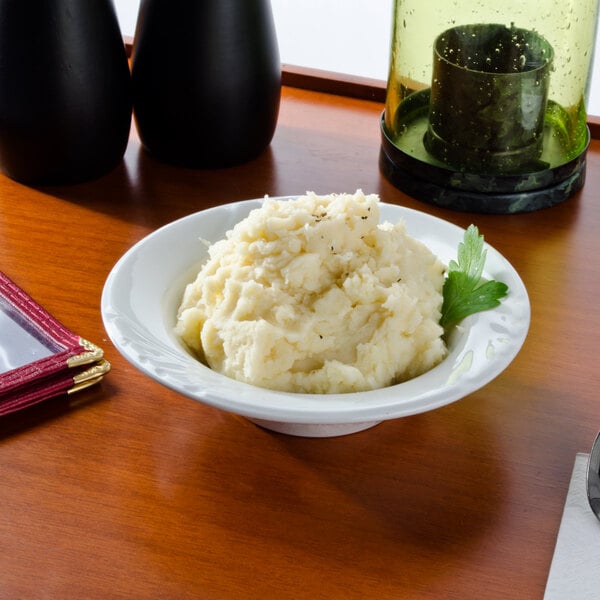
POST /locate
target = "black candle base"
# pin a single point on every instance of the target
(480, 202)
(406, 163)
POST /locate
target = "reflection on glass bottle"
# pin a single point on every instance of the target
(206, 79)
(65, 90)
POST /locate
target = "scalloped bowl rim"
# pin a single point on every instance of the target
(143, 290)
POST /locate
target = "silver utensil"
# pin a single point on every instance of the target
(593, 477)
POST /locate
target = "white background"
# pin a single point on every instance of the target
(349, 36)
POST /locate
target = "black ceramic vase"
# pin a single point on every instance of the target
(206, 80)
(65, 90)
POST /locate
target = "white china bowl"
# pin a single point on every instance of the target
(143, 291)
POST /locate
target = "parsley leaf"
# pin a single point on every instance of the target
(465, 291)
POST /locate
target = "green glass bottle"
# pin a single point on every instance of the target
(485, 107)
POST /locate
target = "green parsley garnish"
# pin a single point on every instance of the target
(465, 291)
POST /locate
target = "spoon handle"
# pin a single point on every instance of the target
(593, 477)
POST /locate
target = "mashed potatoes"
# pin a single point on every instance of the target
(314, 295)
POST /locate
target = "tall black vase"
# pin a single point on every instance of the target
(65, 90)
(206, 80)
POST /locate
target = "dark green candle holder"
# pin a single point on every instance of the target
(486, 104)
(488, 98)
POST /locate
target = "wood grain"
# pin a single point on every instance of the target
(137, 492)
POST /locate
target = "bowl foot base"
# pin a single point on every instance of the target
(314, 430)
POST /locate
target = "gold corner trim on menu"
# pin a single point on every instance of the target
(90, 376)
(92, 353)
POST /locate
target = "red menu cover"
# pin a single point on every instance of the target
(39, 357)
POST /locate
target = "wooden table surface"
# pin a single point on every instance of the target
(138, 492)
